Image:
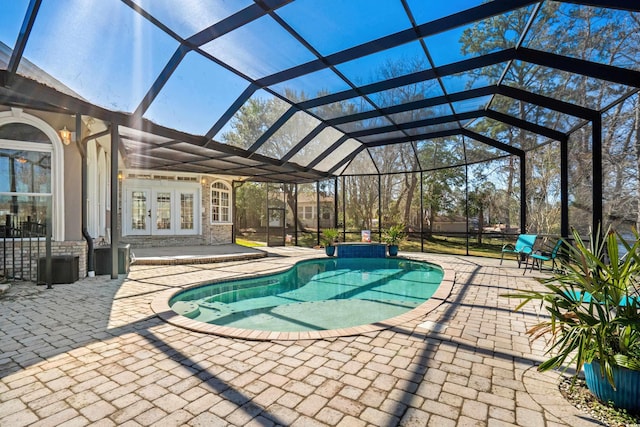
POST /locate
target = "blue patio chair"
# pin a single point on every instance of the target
(539, 257)
(523, 248)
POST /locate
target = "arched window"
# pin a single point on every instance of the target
(31, 175)
(220, 202)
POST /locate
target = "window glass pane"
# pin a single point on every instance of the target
(220, 202)
(326, 213)
(194, 16)
(196, 95)
(77, 45)
(27, 215)
(259, 48)
(25, 171)
(139, 210)
(163, 211)
(186, 211)
(23, 132)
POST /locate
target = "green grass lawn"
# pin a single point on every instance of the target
(490, 247)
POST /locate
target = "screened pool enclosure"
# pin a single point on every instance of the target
(457, 118)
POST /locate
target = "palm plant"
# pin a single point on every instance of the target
(593, 306)
(394, 234)
(330, 236)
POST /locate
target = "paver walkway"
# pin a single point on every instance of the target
(93, 353)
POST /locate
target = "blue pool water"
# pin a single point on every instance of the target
(314, 295)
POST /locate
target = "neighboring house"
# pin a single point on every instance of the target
(308, 211)
(455, 224)
(449, 226)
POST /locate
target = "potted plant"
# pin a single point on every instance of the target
(593, 316)
(329, 237)
(392, 237)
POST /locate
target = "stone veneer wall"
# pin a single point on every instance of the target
(214, 234)
(219, 234)
(22, 259)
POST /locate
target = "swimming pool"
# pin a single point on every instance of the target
(314, 295)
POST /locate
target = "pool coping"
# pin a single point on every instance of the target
(160, 306)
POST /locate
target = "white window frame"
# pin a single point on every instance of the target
(227, 190)
(16, 115)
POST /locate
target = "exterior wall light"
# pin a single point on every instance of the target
(65, 135)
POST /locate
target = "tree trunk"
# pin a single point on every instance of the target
(411, 188)
(637, 129)
(480, 222)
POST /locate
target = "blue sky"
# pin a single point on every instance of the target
(111, 56)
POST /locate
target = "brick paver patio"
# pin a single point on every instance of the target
(94, 353)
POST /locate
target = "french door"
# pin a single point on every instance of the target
(139, 212)
(161, 211)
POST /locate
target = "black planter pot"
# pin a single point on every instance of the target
(393, 250)
(330, 250)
